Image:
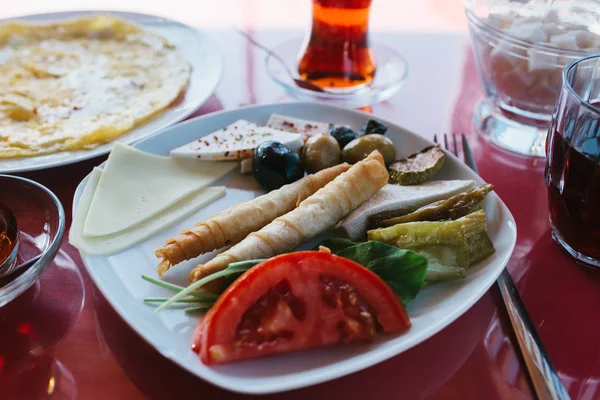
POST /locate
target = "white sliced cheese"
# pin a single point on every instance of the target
(135, 186)
(246, 166)
(117, 242)
(235, 142)
(404, 198)
(289, 124)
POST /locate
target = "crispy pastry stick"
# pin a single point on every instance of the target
(234, 224)
(313, 216)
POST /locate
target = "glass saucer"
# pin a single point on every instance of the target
(389, 77)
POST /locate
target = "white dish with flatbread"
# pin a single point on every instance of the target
(206, 67)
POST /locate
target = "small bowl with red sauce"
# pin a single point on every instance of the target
(32, 224)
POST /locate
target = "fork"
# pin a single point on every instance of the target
(544, 377)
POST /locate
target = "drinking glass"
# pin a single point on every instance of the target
(573, 162)
(38, 304)
(338, 58)
(336, 54)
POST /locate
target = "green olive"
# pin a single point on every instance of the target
(362, 146)
(320, 152)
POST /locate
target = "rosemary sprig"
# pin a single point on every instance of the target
(234, 269)
(197, 308)
(200, 300)
(203, 296)
(163, 299)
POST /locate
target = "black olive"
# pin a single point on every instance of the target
(343, 135)
(275, 165)
(373, 126)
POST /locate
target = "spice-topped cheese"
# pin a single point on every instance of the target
(235, 142)
(296, 125)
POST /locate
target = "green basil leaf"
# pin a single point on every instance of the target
(402, 270)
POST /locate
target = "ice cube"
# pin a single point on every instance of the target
(562, 20)
(500, 20)
(553, 18)
(539, 60)
(528, 30)
(565, 41)
(533, 9)
(583, 14)
(553, 28)
(507, 53)
(507, 7)
(574, 16)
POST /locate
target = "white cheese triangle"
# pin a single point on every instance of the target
(117, 242)
(297, 125)
(134, 186)
(235, 142)
(397, 197)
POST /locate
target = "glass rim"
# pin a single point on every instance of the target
(15, 288)
(567, 85)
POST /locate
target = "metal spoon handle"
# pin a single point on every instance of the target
(266, 49)
(304, 84)
(15, 272)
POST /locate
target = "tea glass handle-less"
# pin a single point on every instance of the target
(544, 378)
(336, 54)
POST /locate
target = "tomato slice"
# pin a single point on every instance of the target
(297, 301)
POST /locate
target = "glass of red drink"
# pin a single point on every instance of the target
(338, 58)
(573, 162)
(336, 53)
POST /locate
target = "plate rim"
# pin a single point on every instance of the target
(201, 37)
(325, 373)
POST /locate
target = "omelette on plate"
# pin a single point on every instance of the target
(75, 84)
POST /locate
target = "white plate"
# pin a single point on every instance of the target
(118, 275)
(198, 49)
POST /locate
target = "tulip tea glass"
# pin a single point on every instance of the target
(337, 53)
(338, 57)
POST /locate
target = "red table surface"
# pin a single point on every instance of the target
(473, 358)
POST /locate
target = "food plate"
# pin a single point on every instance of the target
(118, 275)
(206, 69)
